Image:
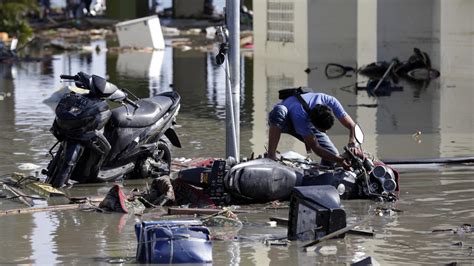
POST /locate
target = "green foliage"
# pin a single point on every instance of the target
(13, 17)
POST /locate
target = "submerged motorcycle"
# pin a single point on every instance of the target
(97, 144)
(264, 180)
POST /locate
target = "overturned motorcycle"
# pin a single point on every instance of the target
(264, 180)
(97, 144)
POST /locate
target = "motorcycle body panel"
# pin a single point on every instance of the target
(262, 180)
(344, 181)
(77, 114)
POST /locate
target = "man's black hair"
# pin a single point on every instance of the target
(322, 117)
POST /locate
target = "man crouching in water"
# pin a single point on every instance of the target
(290, 116)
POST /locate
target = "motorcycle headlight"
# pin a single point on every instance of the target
(389, 185)
(386, 177)
(380, 171)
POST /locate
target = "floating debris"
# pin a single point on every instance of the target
(224, 225)
(277, 242)
(327, 250)
(366, 261)
(28, 166)
(117, 261)
(381, 211)
(280, 221)
(276, 205)
(463, 229)
(362, 232)
(169, 31)
(272, 223)
(116, 201)
(417, 136)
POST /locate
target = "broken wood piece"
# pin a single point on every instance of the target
(22, 197)
(361, 232)
(42, 209)
(43, 189)
(277, 242)
(366, 261)
(193, 211)
(334, 234)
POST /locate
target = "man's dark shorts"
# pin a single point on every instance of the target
(278, 116)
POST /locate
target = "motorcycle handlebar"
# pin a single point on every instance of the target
(68, 77)
(353, 157)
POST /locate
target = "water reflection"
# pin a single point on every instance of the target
(357, 33)
(41, 239)
(147, 66)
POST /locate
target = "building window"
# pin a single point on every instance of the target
(280, 21)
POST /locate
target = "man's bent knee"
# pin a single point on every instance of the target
(278, 116)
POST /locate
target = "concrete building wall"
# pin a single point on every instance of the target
(294, 15)
(332, 30)
(457, 76)
(332, 38)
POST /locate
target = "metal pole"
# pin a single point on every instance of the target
(233, 24)
(230, 118)
(384, 76)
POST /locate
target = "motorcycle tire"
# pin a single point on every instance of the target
(164, 156)
(51, 169)
(65, 165)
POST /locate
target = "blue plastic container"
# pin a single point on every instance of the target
(172, 242)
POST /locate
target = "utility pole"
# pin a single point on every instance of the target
(233, 24)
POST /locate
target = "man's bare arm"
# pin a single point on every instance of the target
(312, 142)
(348, 123)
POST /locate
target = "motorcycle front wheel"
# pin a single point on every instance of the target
(65, 164)
(163, 158)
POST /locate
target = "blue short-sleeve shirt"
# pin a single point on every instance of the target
(300, 119)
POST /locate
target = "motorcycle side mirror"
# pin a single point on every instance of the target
(359, 135)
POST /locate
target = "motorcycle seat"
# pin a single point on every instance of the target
(149, 112)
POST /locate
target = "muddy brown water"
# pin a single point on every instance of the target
(432, 197)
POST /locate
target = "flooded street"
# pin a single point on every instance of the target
(421, 120)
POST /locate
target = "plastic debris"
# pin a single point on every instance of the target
(272, 223)
(277, 242)
(366, 261)
(224, 225)
(28, 166)
(116, 201)
(327, 250)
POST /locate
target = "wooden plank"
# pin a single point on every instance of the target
(334, 234)
(22, 197)
(43, 189)
(361, 232)
(192, 211)
(42, 209)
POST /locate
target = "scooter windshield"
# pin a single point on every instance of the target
(101, 88)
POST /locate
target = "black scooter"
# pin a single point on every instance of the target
(97, 144)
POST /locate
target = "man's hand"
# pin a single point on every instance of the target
(345, 164)
(356, 150)
(270, 156)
